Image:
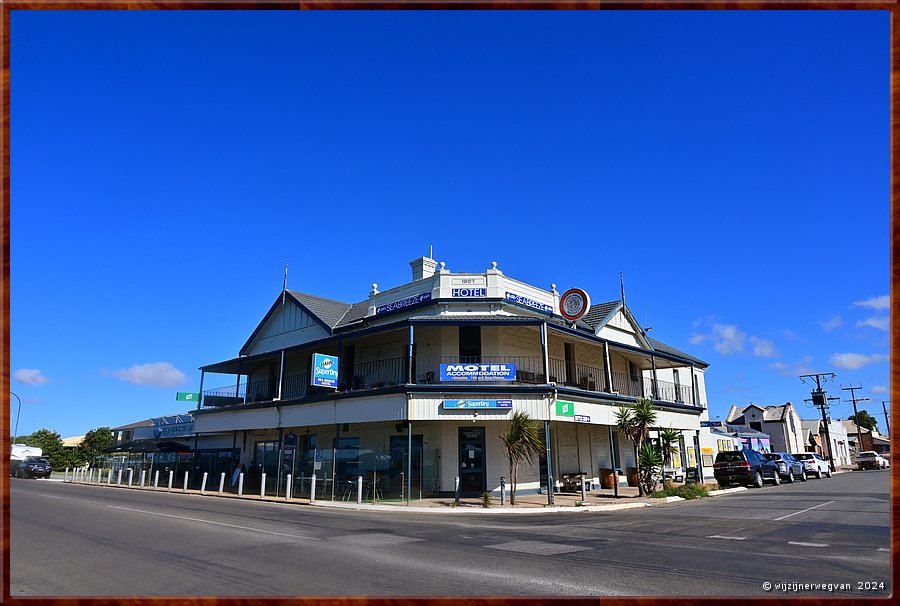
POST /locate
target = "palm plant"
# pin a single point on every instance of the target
(635, 420)
(523, 442)
(669, 437)
(650, 463)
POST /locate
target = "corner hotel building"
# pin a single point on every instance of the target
(435, 367)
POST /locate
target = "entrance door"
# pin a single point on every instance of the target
(472, 481)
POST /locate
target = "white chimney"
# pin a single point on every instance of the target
(422, 268)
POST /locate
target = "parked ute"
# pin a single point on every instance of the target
(747, 467)
(34, 467)
(814, 464)
(869, 459)
(789, 468)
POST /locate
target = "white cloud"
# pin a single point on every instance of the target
(800, 367)
(878, 390)
(728, 338)
(789, 334)
(762, 348)
(833, 323)
(878, 322)
(160, 374)
(855, 361)
(30, 376)
(697, 339)
(882, 302)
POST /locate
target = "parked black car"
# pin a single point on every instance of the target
(34, 467)
(789, 468)
(747, 466)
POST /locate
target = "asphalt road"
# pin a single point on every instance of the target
(76, 540)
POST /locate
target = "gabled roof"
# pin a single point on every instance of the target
(328, 311)
(600, 312)
(662, 347)
(144, 423)
(355, 313)
(770, 413)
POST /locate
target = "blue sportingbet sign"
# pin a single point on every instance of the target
(325, 370)
(478, 372)
(458, 404)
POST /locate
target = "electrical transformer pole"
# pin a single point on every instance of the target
(854, 399)
(820, 399)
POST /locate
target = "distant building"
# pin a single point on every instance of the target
(871, 440)
(72, 442)
(838, 446)
(781, 423)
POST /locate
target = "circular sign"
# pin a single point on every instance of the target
(574, 303)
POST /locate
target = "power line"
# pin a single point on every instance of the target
(854, 399)
(820, 399)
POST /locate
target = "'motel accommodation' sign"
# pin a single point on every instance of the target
(478, 372)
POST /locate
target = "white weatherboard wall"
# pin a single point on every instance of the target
(619, 330)
(289, 325)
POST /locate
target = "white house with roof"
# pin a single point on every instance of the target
(781, 423)
(837, 446)
(434, 368)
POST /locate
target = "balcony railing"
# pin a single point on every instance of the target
(426, 370)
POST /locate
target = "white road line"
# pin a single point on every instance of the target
(715, 536)
(807, 544)
(166, 515)
(804, 511)
(884, 549)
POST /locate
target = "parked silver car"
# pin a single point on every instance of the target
(789, 468)
(814, 464)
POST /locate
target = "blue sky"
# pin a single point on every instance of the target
(165, 165)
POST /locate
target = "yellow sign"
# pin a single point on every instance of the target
(706, 450)
(692, 458)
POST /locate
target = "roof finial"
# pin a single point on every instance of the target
(622, 282)
(431, 251)
(284, 286)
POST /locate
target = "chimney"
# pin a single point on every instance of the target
(422, 268)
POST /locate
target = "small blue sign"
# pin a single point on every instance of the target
(425, 296)
(582, 419)
(478, 372)
(325, 370)
(710, 423)
(469, 292)
(511, 296)
(457, 404)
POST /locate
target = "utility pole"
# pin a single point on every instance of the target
(854, 399)
(820, 398)
(887, 422)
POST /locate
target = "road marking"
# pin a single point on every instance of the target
(804, 511)
(715, 536)
(166, 515)
(884, 549)
(807, 544)
(49, 496)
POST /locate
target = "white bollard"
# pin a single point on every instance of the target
(287, 488)
(91, 475)
(221, 482)
(130, 475)
(66, 479)
(359, 489)
(312, 488)
(262, 486)
(143, 475)
(186, 480)
(119, 478)
(241, 485)
(155, 479)
(109, 477)
(171, 474)
(203, 483)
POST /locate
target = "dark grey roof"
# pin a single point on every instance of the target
(662, 347)
(145, 423)
(597, 313)
(328, 311)
(355, 313)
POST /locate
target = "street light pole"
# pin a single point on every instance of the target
(18, 412)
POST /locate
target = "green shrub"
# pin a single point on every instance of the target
(486, 500)
(687, 491)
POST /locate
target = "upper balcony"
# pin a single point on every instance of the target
(425, 370)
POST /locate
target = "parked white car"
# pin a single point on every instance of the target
(814, 464)
(869, 459)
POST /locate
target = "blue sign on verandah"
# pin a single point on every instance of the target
(456, 404)
(325, 370)
(710, 423)
(478, 372)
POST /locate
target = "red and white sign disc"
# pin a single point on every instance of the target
(574, 303)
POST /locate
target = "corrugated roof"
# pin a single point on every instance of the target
(668, 349)
(328, 311)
